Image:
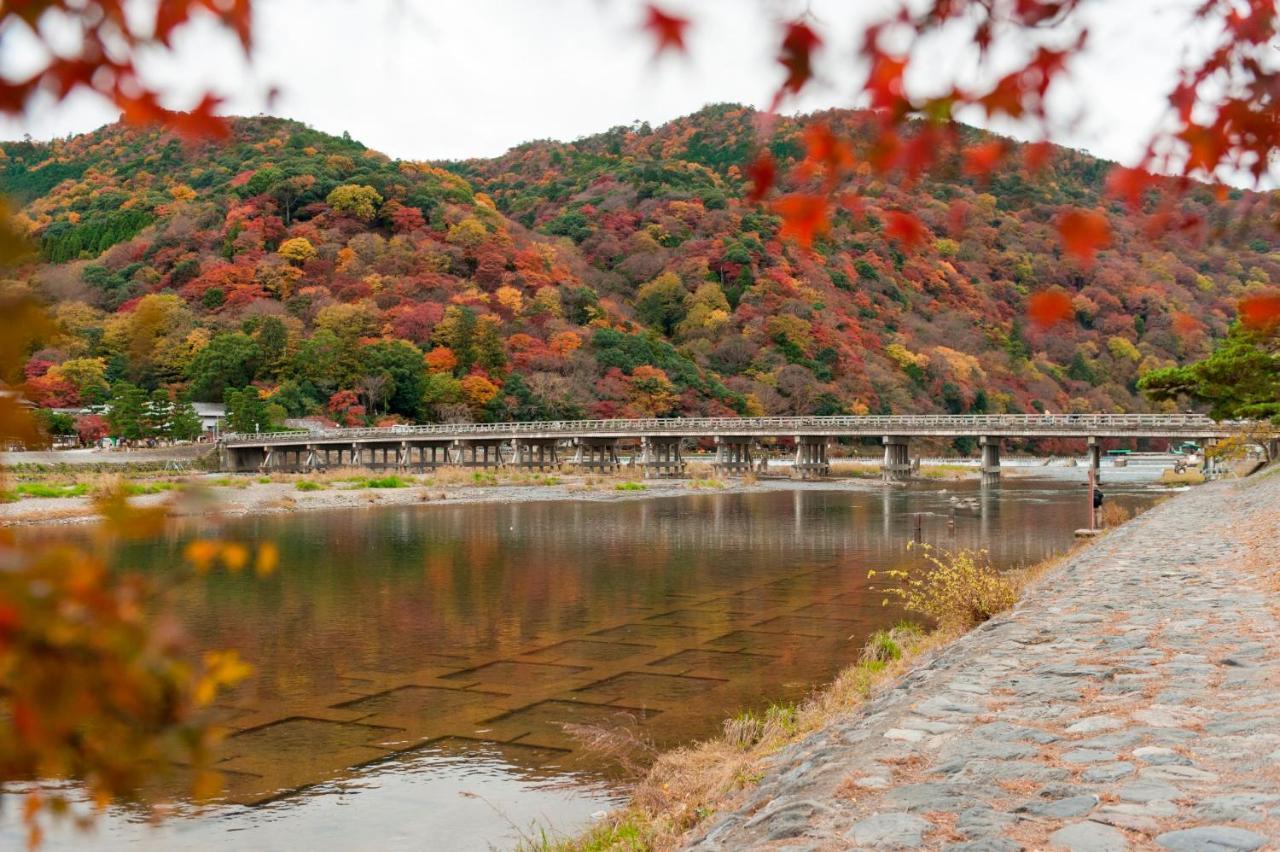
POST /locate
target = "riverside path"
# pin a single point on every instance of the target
(1130, 701)
(742, 443)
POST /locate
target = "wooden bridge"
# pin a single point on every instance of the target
(656, 445)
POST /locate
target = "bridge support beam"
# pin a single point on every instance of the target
(596, 455)
(897, 461)
(660, 456)
(990, 459)
(1210, 465)
(811, 460)
(1095, 459)
(733, 454)
(535, 453)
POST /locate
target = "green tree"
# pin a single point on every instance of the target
(230, 360)
(662, 303)
(1240, 379)
(458, 331)
(402, 363)
(247, 411)
(184, 423)
(126, 414)
(325, 363)
(157, 415)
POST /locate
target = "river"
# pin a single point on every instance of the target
(415, 665)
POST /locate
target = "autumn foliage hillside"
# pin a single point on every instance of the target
(625, 274)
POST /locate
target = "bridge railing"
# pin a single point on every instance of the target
(1029, 424)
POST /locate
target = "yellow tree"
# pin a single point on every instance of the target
(355, 200)
(297, 250)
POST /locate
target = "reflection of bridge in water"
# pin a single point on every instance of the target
(657, 445)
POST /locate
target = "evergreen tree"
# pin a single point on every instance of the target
(184, 423)
(1241, 379)
(127, 411)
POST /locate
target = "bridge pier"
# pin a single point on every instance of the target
(478, 452)
(660, 456)
(430, 454)
(897, 462)
(535, 453)
(733, 454)
(811, 460)
(1095, 459)
(597, 455)
(990, 459)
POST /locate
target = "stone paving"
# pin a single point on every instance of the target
(1131, 701)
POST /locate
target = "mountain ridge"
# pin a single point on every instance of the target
(621, 274)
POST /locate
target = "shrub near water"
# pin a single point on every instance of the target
(954, 590)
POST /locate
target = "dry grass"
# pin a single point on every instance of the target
(699, 470)
(1113, 515)
(1187, 477)
(855, 470)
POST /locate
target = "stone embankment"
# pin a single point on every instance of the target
(1131, 701)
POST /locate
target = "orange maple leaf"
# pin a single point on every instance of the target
(1261, 312)
(668, 30)
(804, 216)
(1049, 307)
(1083, 233)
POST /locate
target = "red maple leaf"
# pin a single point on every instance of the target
(981, 160)
(905, 228)
(804, 216)
(1049, 307)
(1083, 233)
(762, 172)
(1036, 156)
(884, 83)
(1261, 312)
(799, 42)
(828, 150)
(1128, 184)
(668, 30)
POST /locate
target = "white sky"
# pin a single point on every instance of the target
(424, 79)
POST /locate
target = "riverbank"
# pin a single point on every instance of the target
(60, 496)
(1126, 702)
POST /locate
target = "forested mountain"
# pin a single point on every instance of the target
(624, 274)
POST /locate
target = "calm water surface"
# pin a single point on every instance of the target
(416, 665)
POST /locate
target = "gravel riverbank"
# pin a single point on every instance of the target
(210, 494)
(1129, 702)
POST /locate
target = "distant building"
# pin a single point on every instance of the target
(211, 415)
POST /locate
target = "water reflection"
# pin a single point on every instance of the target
(392, 644)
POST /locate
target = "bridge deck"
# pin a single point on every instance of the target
(907, 426)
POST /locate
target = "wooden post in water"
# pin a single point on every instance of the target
(1093, 511)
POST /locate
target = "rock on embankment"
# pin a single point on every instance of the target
(1132, 700)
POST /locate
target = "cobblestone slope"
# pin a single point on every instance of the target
(1131, 701)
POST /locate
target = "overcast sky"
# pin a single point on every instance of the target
(426, 79)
